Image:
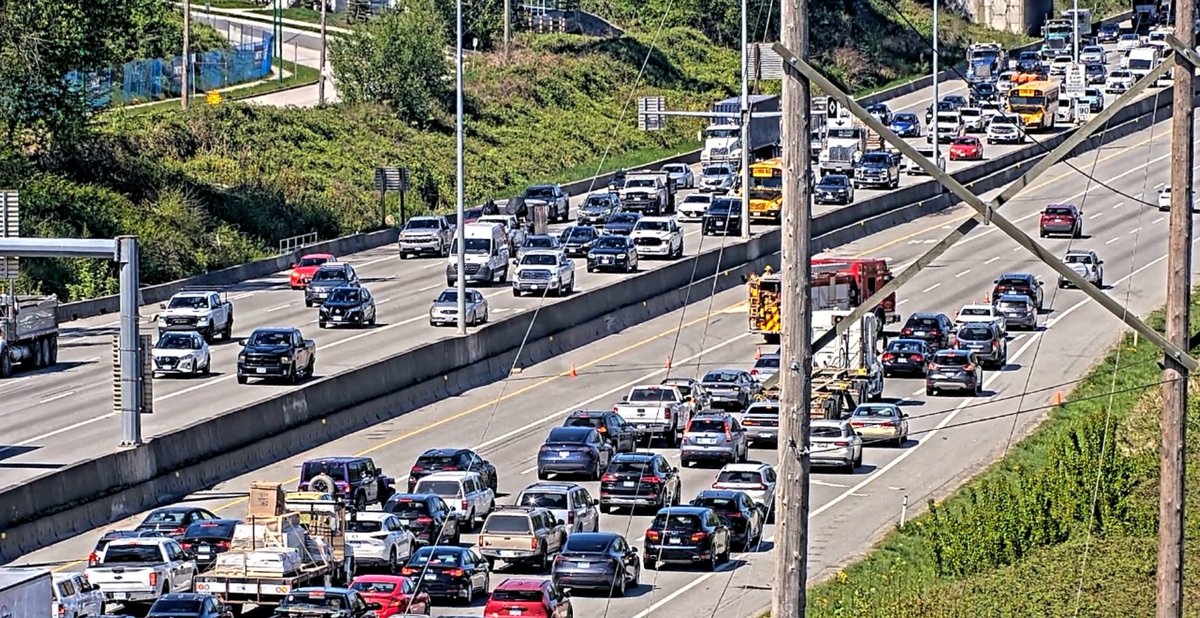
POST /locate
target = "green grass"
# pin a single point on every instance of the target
(224, 4)
(308, 15)
(1011, 542)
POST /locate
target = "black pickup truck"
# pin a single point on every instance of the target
(276, 353)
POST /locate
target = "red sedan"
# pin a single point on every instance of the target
(394, 593)
(966, 148)
(302, 271)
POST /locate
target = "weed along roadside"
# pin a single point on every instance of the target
(1013, 541)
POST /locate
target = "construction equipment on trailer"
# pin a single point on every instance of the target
(835, 394)
(853, 357)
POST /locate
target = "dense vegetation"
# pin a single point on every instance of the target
(1065, 525)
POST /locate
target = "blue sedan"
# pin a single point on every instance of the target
(906, 124)
(574, 450)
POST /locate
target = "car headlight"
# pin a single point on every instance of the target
(202, 321)
(241, 357)
(285, 359)
(621, 256)
(162, 321)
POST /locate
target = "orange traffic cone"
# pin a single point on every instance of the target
(573, 373)
(757, 353)
(1058, 398)
(668, 363)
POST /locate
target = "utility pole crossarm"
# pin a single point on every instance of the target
(1023, 239)
(966, 227)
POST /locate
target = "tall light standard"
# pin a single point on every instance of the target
(933, 128)
(1075, 31)
(745, 137)
(460, 181)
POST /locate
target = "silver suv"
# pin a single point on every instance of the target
(714, 437)
(985, 340)
(569, 502)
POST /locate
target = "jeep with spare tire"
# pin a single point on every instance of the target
(356, 480)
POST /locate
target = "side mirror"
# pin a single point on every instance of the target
(1099, 262)
(560, 522)
(624, 398)
(309, 343)
(374, 606)
(633, 550)
(242, 342)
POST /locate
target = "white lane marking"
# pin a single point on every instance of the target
(827, 483)
(57, 397)
(1118, 205)
(1016, 249)
(386, 300)
(991, 260)
(428, 266)
(931, 288)
(430, 287)
(1097, 215)
(524, 472)
(279, 308)
(376, 261)
(962, 273)
(1109, 242)
(1134, 231)
(1158, 220)
(902, 302)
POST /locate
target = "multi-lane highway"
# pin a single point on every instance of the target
(951, 436)
(63, 414)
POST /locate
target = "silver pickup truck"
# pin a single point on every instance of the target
(657, 411)
(141, 570)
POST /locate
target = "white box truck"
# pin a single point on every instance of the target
(25, 593)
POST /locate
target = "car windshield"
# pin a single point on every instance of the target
(312, 261)
(598, 202)
(119, 554)
(189, 302)
(506, 524)
(624, 218)
(567, 435)
(956, 360)
(706, 425)
(164, 517)
(767, 362)
(162, 606)
(722, 377)
(610, 242)
(539, 259)
(763, 409)
(636, 466)
(837, 181)
(716, 170)
(312, 469)
(344, 296)
(1012, 282)
(407, 507)
(437, 557)
(422, 224)
(675, 521)
(975, 334)
(177, 341)
(877, 158)
(1078, 259)
(579, 234)
(739, 476)
(964, 141)
(818, 431)
(445, 489)
(373, 587)
(922, 323)
(639, 183)
(475, 246)
(1014, 304)
(330, 274)
(518, 596)
(905, 117)
(207, 529)
(905, 346)
(539, 193)
(968, 311)
(677, 168)
(548, 500)
(584, 421)
(716, 503)
(696, 198)
(654, 226)
(364, 526)
(651, 395)
(541, 242)
(587, 543)
(316, 599)
(875, 412)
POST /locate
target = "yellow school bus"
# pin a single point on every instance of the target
(1035, 103)
(766, 190)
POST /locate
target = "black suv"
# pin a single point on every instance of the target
(577, 240)
(330, 276)
(639, 479)
(834, 189)
(451, 460)
(724, 217)
(932, 328)
(1024, 284)
(613, 252)
(612, 427)
(744, 517)
(427, 517)
(687, 535)
(957, 370)
(355, 478)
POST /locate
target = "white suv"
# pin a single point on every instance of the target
(658, 236)
(467, 495)
(378, 539)
(569, 502)
(753, 477)
(544, 271)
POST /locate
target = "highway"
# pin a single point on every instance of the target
(951, 437)
(64, 414)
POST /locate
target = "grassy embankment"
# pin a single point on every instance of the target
(1026, 538)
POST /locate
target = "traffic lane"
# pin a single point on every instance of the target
(179, 401)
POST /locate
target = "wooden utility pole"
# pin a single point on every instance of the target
(185, 90)
(321, 63)
(1169, 575)
(788, 596)
(507, 26)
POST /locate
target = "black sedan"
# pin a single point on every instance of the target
(574, 450)
(173, 521)
(957, 370)
(205, 539)
(687, 535)
(744, 517)
(599, 561)
(427, 516)
(723, 217)
(612, 252)
(449, 572)
(352, 306)
(834, 189)
(622, 223)
(907, 356)
(577, 240)
(452, 460)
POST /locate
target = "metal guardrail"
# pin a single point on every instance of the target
(291, 243)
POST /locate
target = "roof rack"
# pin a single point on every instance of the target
(514, 507)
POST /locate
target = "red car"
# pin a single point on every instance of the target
(966, 148)
(302, 271)
(394, 593)
(528, 598)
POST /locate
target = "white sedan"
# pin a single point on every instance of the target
(377, 538)
(682, 174)
(693, 207)
(980, 313)
(1092, 54)
(181, 353)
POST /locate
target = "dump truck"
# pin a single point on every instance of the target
(303, 545)
(723, 138)
(28, 333)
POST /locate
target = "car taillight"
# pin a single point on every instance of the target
(667, 413)
(699, 536)
(224, 545)
(737, 514)
(916, 357)
(602, 429)
(179, 531)
(187, 546)
(424, 519)
(62, 611)
(934, 366)
(906, 331)
(754, 372)
(153, 579)
(93, 559)
(887, 424)
(935, 332)
(409, 571)
(889, 356)
(995, 345)
(456, 572)
(651, 480)
(969, 368)
(653, 535)
(559, 559)
(841, 444)
(479, 540)
(416, 469)
(571, 517)
(728, 436)
(533, 544)
(614, 408)
(608, 477)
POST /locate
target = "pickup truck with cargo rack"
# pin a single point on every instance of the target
(281, 353)
(205, 311)
(140, 570)
(28, 333)
(657, 411)
(648, 192)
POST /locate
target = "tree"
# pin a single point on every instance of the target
(394, 61)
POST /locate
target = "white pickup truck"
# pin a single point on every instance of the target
(204, 311)
(140, 570)
(657, 411)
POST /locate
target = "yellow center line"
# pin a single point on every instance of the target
(1035, 187)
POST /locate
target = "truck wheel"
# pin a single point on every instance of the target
(6, 368)
(54, 344)
(227, 332)
(38, 363)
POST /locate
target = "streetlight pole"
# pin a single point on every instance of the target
(321, 75)
(933, 127)
(185, 89)
(1075, 32)
(745, 126)
(458, 126)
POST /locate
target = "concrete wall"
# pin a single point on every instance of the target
(89, 494)
(1016, 16)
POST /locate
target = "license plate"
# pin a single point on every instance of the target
(204, 550)
(584, 565)
(261, 370)
(707, 440)
(338, 318)
(641, 428)
(675, 541)
(404, 522)
(627, 484)
(430, 577)
(514, 612)
(768, 435)
(564, 454)
(919, 333)
(120, 596)
(508, 553)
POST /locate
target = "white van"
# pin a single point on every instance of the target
(486, 255)
(466, 493)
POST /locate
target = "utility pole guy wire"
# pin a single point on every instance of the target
(788, 596)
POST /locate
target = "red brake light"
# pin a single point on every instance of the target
(465, 505)
(934, 332)
(906, 331)
(934, 366)
(602, 429)
(889, 356)
(409, 571)
(533, 544)
(93, 559)
(841, 444)
(667, 413)
(754, 371)
(186, 545)
(737, 514)
(857, 424)
(652, 480)
(652, 535)
(608, 477)
(699, 536)
(969, 368)
(916, 357)
(153, 579)
(416, 469)
(571, 517)
(887, 424)
(456, 572)
(224, 545)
